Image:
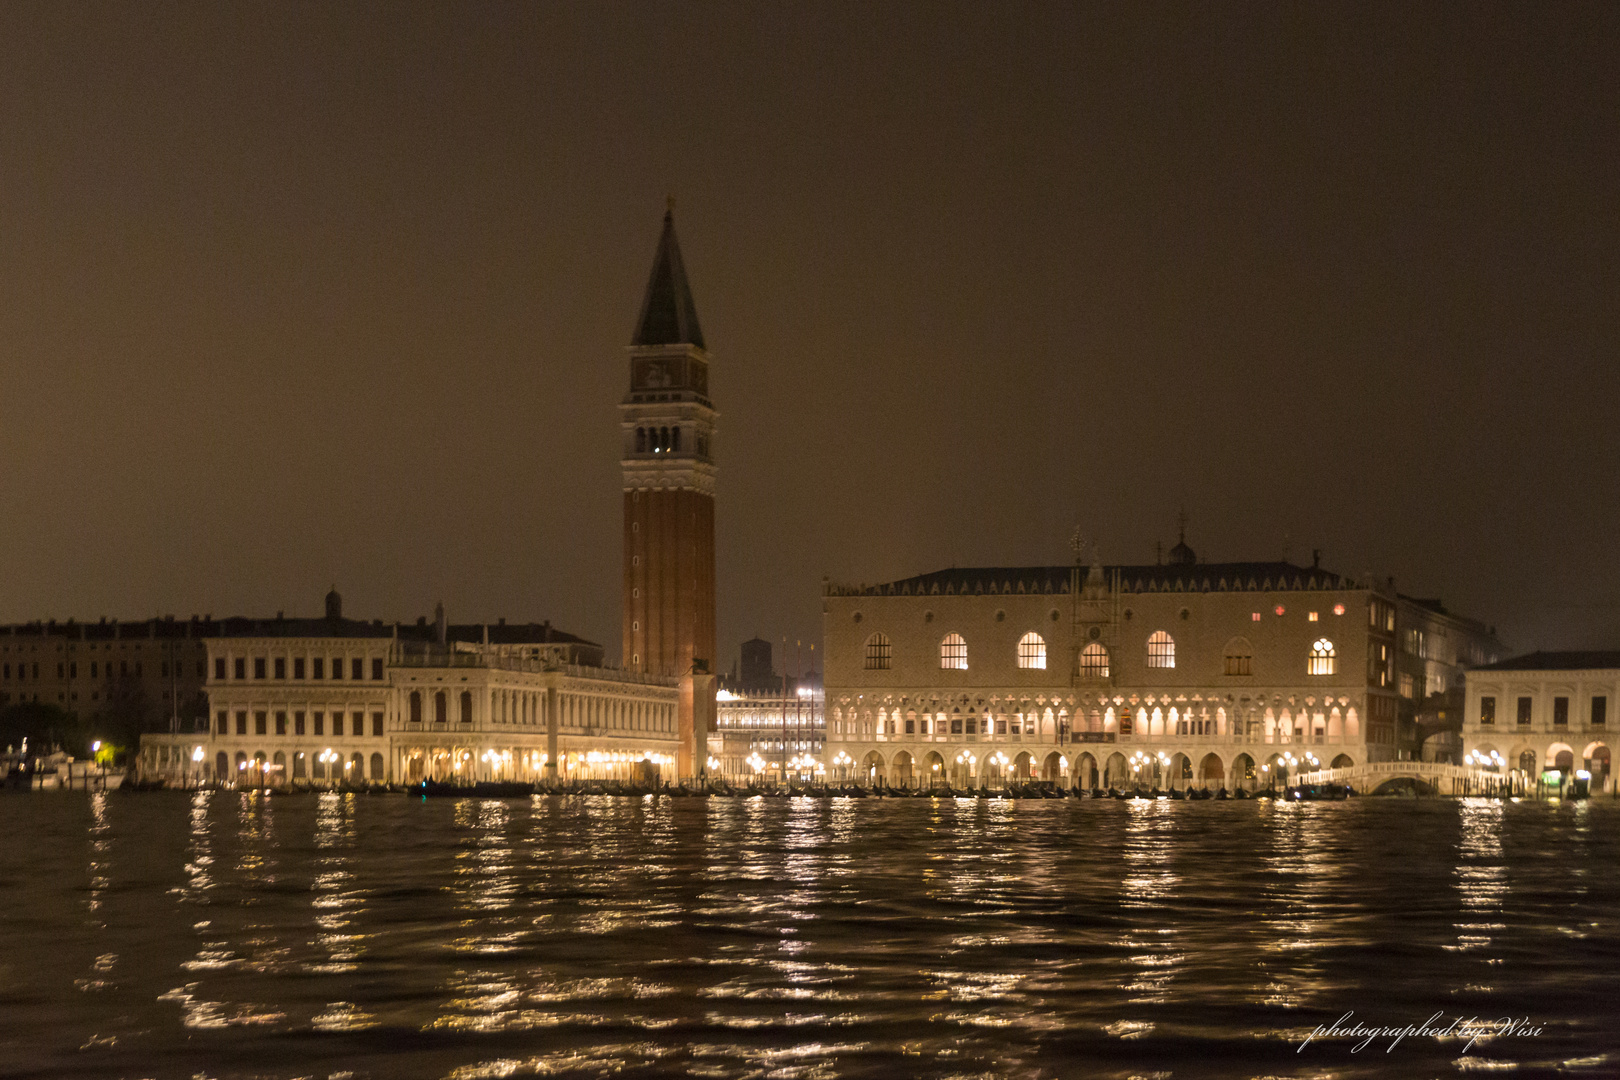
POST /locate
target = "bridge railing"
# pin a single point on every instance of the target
(1389, 770)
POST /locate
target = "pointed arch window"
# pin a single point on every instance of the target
(1094, 661)
(879, 653)
(1324, 661)
(953, 652)
(641, 440)
(1032, 651)
(1161, 650)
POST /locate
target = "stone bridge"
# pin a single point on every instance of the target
(1432, 776)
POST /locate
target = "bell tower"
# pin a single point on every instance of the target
(666, 421)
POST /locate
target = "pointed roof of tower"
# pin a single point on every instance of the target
(668, 315)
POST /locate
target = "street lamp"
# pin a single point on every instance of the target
(969, 760)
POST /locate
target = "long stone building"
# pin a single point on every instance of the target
(1176, 674)
(141, 674)
(333, 699)
(1544, 717)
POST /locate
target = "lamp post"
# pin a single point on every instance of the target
(968, 761)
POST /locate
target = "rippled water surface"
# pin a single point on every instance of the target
(231, 935)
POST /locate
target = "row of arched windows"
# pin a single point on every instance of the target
(1329, 724)
(304, 764)
(1161, 653)
(659, 440)
(953, 654)
(1238, 656)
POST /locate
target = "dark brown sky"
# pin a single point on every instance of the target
(292, 295)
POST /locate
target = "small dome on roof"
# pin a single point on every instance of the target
(1181, 554)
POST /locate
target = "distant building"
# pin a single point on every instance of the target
(668, 427)
(1435, 649)
(755, 668)
(1545, 712)
(337, 699)
(1184, 673)
(146, 675)
(769, 725)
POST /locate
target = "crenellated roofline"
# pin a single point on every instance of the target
(1155, 578)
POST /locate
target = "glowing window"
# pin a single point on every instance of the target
(1281, 610)
(1031, 651)
(1161, 650)
(953, 652)
(1256, 616)
(878, 652)
(1324, 661)
(1239, 657)
(1094, 662)
(1311, 617)
(1338, 609)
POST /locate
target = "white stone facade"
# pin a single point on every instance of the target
(1207, 675)
(403, 712)
(767, 734)
(1545, 712)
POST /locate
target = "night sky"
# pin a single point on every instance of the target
(301, 295)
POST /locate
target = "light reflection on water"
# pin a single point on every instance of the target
(240, 934)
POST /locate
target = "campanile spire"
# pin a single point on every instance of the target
(667, 424)
(668, 315)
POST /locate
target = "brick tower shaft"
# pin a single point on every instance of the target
(667, 424)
